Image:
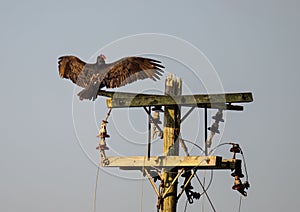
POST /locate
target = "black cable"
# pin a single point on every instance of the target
(245, 167)
(186, 203)
(213, 149)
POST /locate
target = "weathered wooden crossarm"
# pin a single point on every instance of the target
(231, 164)
(223, 106)
(222, 101)
(168, 162)
(118, 94)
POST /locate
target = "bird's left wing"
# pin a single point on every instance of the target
(130, 69)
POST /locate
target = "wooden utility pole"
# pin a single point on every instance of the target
(173, 87)
(169, 166)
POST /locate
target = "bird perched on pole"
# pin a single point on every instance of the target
(93, 77)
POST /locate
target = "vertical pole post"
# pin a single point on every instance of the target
(173, 87)
(205, 130)
(149, 134)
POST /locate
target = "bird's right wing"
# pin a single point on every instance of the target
(71, 67)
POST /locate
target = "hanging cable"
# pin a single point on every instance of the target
(210, 182)
(241, 151)
(142, 184)
(235, 149)
(208, 198)
(203, 190)
(211, 151)
(195, 170)
(96, 185)
(216, 147)
(245, 167)
(196, 145)
(141, 196)
(185, 207)
(240, 203)
(184, 147)
(202, 152)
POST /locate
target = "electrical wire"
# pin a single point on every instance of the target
(211, 176)
(186, 203)
(96, 186)
(142, 183)
(245, 167)
(216, 147)
(208, 198)
(196, 145)
(142, 195)
(202, 185)
(203, 198)
(242, 153)
(210, 182)
(205, 189)
(240, 203)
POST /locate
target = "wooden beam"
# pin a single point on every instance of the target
(198, 162)
(123, 94)
(138, 162)
(241, 97)
(223, 101)
(231, 164)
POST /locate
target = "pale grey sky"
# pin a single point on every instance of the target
(253, 45)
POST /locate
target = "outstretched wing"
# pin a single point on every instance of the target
(130, 69)
(71, 67)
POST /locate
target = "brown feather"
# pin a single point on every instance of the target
(70, 67)
(130, 69)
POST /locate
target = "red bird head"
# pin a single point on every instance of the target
(101, 59)
(103, 56)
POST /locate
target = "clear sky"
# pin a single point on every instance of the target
(253, 46)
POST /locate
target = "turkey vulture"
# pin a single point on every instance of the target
(93, 77)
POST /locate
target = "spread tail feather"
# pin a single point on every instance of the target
(89, 93)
